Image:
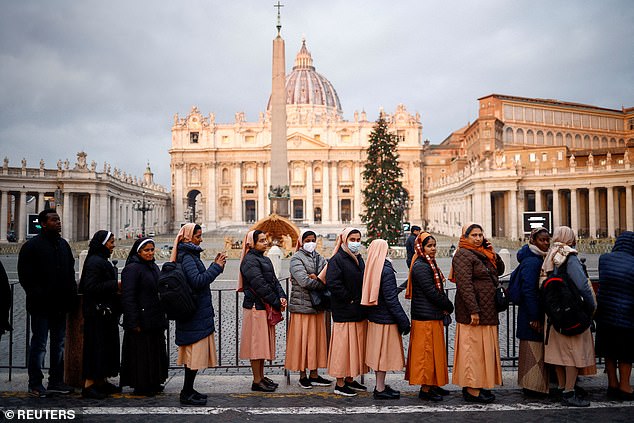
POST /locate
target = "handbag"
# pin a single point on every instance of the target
(273, 316)
(320, 299)
(501, 299)
(446, 320)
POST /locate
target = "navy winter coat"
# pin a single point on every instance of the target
(344, 279)
(201, 324)
(388, 309)
(616, 284)
(139, 296)
(258, 275)
(428, 303)
(530, 309)
(409, 249)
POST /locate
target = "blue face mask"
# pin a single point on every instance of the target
(354, 247)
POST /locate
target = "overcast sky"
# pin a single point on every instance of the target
(107, 77)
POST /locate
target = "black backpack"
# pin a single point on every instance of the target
(566, 310)
(175, 294)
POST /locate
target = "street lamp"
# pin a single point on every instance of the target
(143, 207)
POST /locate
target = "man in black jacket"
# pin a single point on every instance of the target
(46, 269)
(409, 244)
(5, 301)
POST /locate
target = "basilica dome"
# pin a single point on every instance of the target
(306, 87)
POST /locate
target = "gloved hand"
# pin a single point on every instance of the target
(404, 330)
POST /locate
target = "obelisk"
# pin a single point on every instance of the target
(279, 193)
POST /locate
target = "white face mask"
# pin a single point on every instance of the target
(354, 247)
(309, 246)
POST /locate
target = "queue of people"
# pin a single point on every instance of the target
(362, 296)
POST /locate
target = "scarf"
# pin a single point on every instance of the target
(377, 253)
(185, 234)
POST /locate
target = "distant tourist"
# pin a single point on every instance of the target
(615, 316)
(532, 374)
(306, 346)
(475, 269)
(261, 287)
(409, 244)
(387, 321)
(572, 355)
(431, 310)
(144, 359)
(102, 309)
(344, 279)
(5, 302)
(46, 269)
(195, 336)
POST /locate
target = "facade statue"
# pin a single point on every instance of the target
(23, 164)
(572, 162)
(41, 164)
(590, 160)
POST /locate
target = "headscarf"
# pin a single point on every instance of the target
(341, 242)
(419, 251)
(377, 252)
(563, 240)
(98, 243)
(134, 251)
(247, 244)
(185, 234)
(531, 241)
(300, 240)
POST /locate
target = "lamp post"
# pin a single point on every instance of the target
(143, 206)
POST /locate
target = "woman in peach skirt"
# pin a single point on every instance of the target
(387, 319)
(344, 279)
(427, 356)
(306, 338)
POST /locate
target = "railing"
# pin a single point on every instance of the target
(228, 307)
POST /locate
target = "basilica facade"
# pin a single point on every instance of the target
(221, 171)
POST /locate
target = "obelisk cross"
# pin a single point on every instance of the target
(279, 20)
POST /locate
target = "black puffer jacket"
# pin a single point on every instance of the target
(258, 275)
(616, 284)
(99, 286)
(428, 303)
(139, 297)
(389, 309)
(344, 279)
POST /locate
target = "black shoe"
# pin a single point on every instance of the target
(108, 388)
(626, 396)
(429, 395)
(529, 393)
(555, 394)
(393, 392)
(440, 391)
(143, 393)
(190, 398)
(93, 393)
(305, 383)
(580, 392)
(38, 392)
(262, 387)
(384, 395)
(344, 390)
(482, 398)
(319, 381)
(199, 395)
(570, 399)
(613, 393)
(356, 386)
(270, 382)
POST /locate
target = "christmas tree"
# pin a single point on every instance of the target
(384, 197)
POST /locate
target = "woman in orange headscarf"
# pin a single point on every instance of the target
(344, 279)
(387, 321)
(426, 358)
(476, 267)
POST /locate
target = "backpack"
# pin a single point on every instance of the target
(565, 308)
(514, 291)
(175, 294)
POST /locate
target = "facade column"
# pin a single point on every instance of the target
(610, 211)
(476, 210)
(513, 214)
(21, 215)
(310, 192)
(4, 198)
(592, 212)
(237, 192)
(325, 191)
(67, 226)
(357, 193)
(94, 214)
(104, 211)
(177, 196)
(629, 216)
(212, 195)
(334, 205)
(40, 202)
(538, 200)
(556, 209)
(261, 191)
(574, 211)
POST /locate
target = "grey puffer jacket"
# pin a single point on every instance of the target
(303, 264)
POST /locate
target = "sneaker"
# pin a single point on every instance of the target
(570, 399)
(305, 383)
(319, 381)
(37, 392)
(344, 390)
(356, 386)
(190, 398)
(384, 395)
(60, 388)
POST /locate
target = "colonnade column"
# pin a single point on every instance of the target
(556, 209)
(93, 214)
(513, 214)
(610, 211)
(310, 191)
(357, 192)
(67, 226)
(335, 194)
(237, 192)
(4, 198)
(574, 211)
(21, 226)
(592, 212)
(538, 200)
(325, 203)
(212, 195)
(104, 211)
(261, 191)
(40, 202)
(629, 216)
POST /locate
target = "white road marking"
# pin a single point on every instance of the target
(340, 410)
